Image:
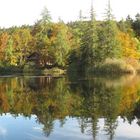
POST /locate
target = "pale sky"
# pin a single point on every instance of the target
(18, 12)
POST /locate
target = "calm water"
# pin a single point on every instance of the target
(42, 108)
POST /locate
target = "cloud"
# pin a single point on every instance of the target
(3, 131)
(37, 128)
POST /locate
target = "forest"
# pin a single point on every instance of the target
(85, 45)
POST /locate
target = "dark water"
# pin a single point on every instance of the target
(42, 108)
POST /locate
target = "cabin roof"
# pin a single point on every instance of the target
(34, 56)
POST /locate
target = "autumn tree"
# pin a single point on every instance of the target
(21, 45)
(40, 33)
(52, 41)
(129, 47)
(60, 44)
(4, 38)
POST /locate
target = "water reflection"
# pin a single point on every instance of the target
(97, 106)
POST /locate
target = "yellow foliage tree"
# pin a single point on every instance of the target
(3, 45)
(128, 46)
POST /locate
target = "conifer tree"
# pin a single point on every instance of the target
(108, 36)
(89, 42)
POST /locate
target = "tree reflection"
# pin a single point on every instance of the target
(52, 99)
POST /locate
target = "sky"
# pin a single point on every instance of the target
(19, 12)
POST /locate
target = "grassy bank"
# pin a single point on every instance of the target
(114, 67)
(110, 67)
(30, 70)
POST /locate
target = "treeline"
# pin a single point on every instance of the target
(83, 45)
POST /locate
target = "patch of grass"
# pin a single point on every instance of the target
(53, 72)
(114, 66)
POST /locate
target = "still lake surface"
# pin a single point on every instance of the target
(45, 108)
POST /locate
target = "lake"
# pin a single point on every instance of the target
(68, 108)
